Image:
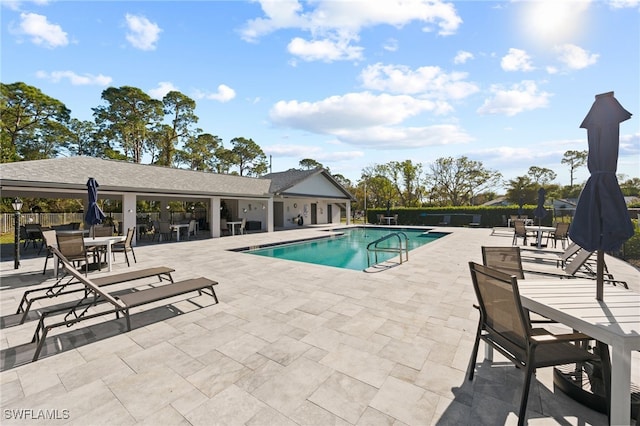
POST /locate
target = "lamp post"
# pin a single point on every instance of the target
(17, 205)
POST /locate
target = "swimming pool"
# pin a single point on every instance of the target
(348, 249)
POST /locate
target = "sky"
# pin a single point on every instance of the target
(351, 84)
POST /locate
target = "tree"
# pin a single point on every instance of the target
(380, 189)
(407, 179)
(455, 181)
(180, 109)
(249, 157)
(522, 189)
(199, 152)
(128, 119)
(541, 175)
(574, 159)
(308, 164)
(33, 125)
(83, 139)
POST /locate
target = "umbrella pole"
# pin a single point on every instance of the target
(600, 275)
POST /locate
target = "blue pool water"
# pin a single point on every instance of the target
(348, 250)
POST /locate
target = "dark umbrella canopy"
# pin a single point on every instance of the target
(601, 220)
(94, 215)
(540, 212)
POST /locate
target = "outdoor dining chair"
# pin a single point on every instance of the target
(520, 231)
(561, 233)
(505, 326)
(125, 246)
(49, 240)
(72, 247)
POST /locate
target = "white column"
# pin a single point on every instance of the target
(270, 215)
(214, 216)
(348, 212)
(129, 213)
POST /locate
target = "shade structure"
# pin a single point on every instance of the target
(601, 222)
(94, 214)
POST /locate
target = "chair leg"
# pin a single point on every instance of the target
(474, 355)
(126, 257)
(525, 391)
(134, 256)
(46, 259)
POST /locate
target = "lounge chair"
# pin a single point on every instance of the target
(504, 325)
(509, 260)
(551, 256)
(118, 304)
(66, 285)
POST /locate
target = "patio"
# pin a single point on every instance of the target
(289, 343)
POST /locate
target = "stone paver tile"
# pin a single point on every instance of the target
(267, 329)
(412, 354)
(405, 373)
(362, 325)
(440, 379)
(148, 391)
(219, 373)
(373, 417)
(203, 341)
(309, 414)
(233, 406)
(10, 387)
(189, 401)
(121, 344)
(109, 368)
(165, 416)
(285, 350)
(305, 321)
(360, 365)
(450, 412)
(399, 330)
(315, 307)
(270, 417)
(260, 375)
(153, 334)
(286, 391)
(243, 347)
(406, 402)
(163, 355)
(107, 413)
(344, 396)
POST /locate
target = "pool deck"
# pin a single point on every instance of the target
(289, 343)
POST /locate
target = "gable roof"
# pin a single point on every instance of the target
(67, 174)
(286, 183)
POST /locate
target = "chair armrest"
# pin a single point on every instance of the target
(555, 338)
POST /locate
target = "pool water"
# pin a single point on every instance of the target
(348, 250)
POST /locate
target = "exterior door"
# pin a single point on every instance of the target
(329, 214)
(314, 213)
(278, 214)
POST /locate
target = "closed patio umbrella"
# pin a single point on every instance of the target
(539, 213)
(601, 222)
(94, 214)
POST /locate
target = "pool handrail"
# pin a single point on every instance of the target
(398, 250)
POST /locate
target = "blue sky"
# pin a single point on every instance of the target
(351, 83)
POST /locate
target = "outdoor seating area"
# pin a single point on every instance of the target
(286, 340)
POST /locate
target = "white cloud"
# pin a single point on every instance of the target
(520, 97)
(143, 34)
(429, 81)
(324, 50)
(462, 57)
(340, 22)
(224, 94)
(621, 4)
(163, 88)
(351, 111)
(41, 32)
(367, 120)
(75, 79)
(516, 60)
(319, 153)
(575, 57)
(390, 45)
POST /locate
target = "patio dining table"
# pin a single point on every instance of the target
(539, 230)
(176, 227)
(615, 321)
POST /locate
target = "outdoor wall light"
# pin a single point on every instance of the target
(17, 206)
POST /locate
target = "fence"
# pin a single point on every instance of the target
(7, 220)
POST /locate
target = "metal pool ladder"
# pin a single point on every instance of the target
(372, 247)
